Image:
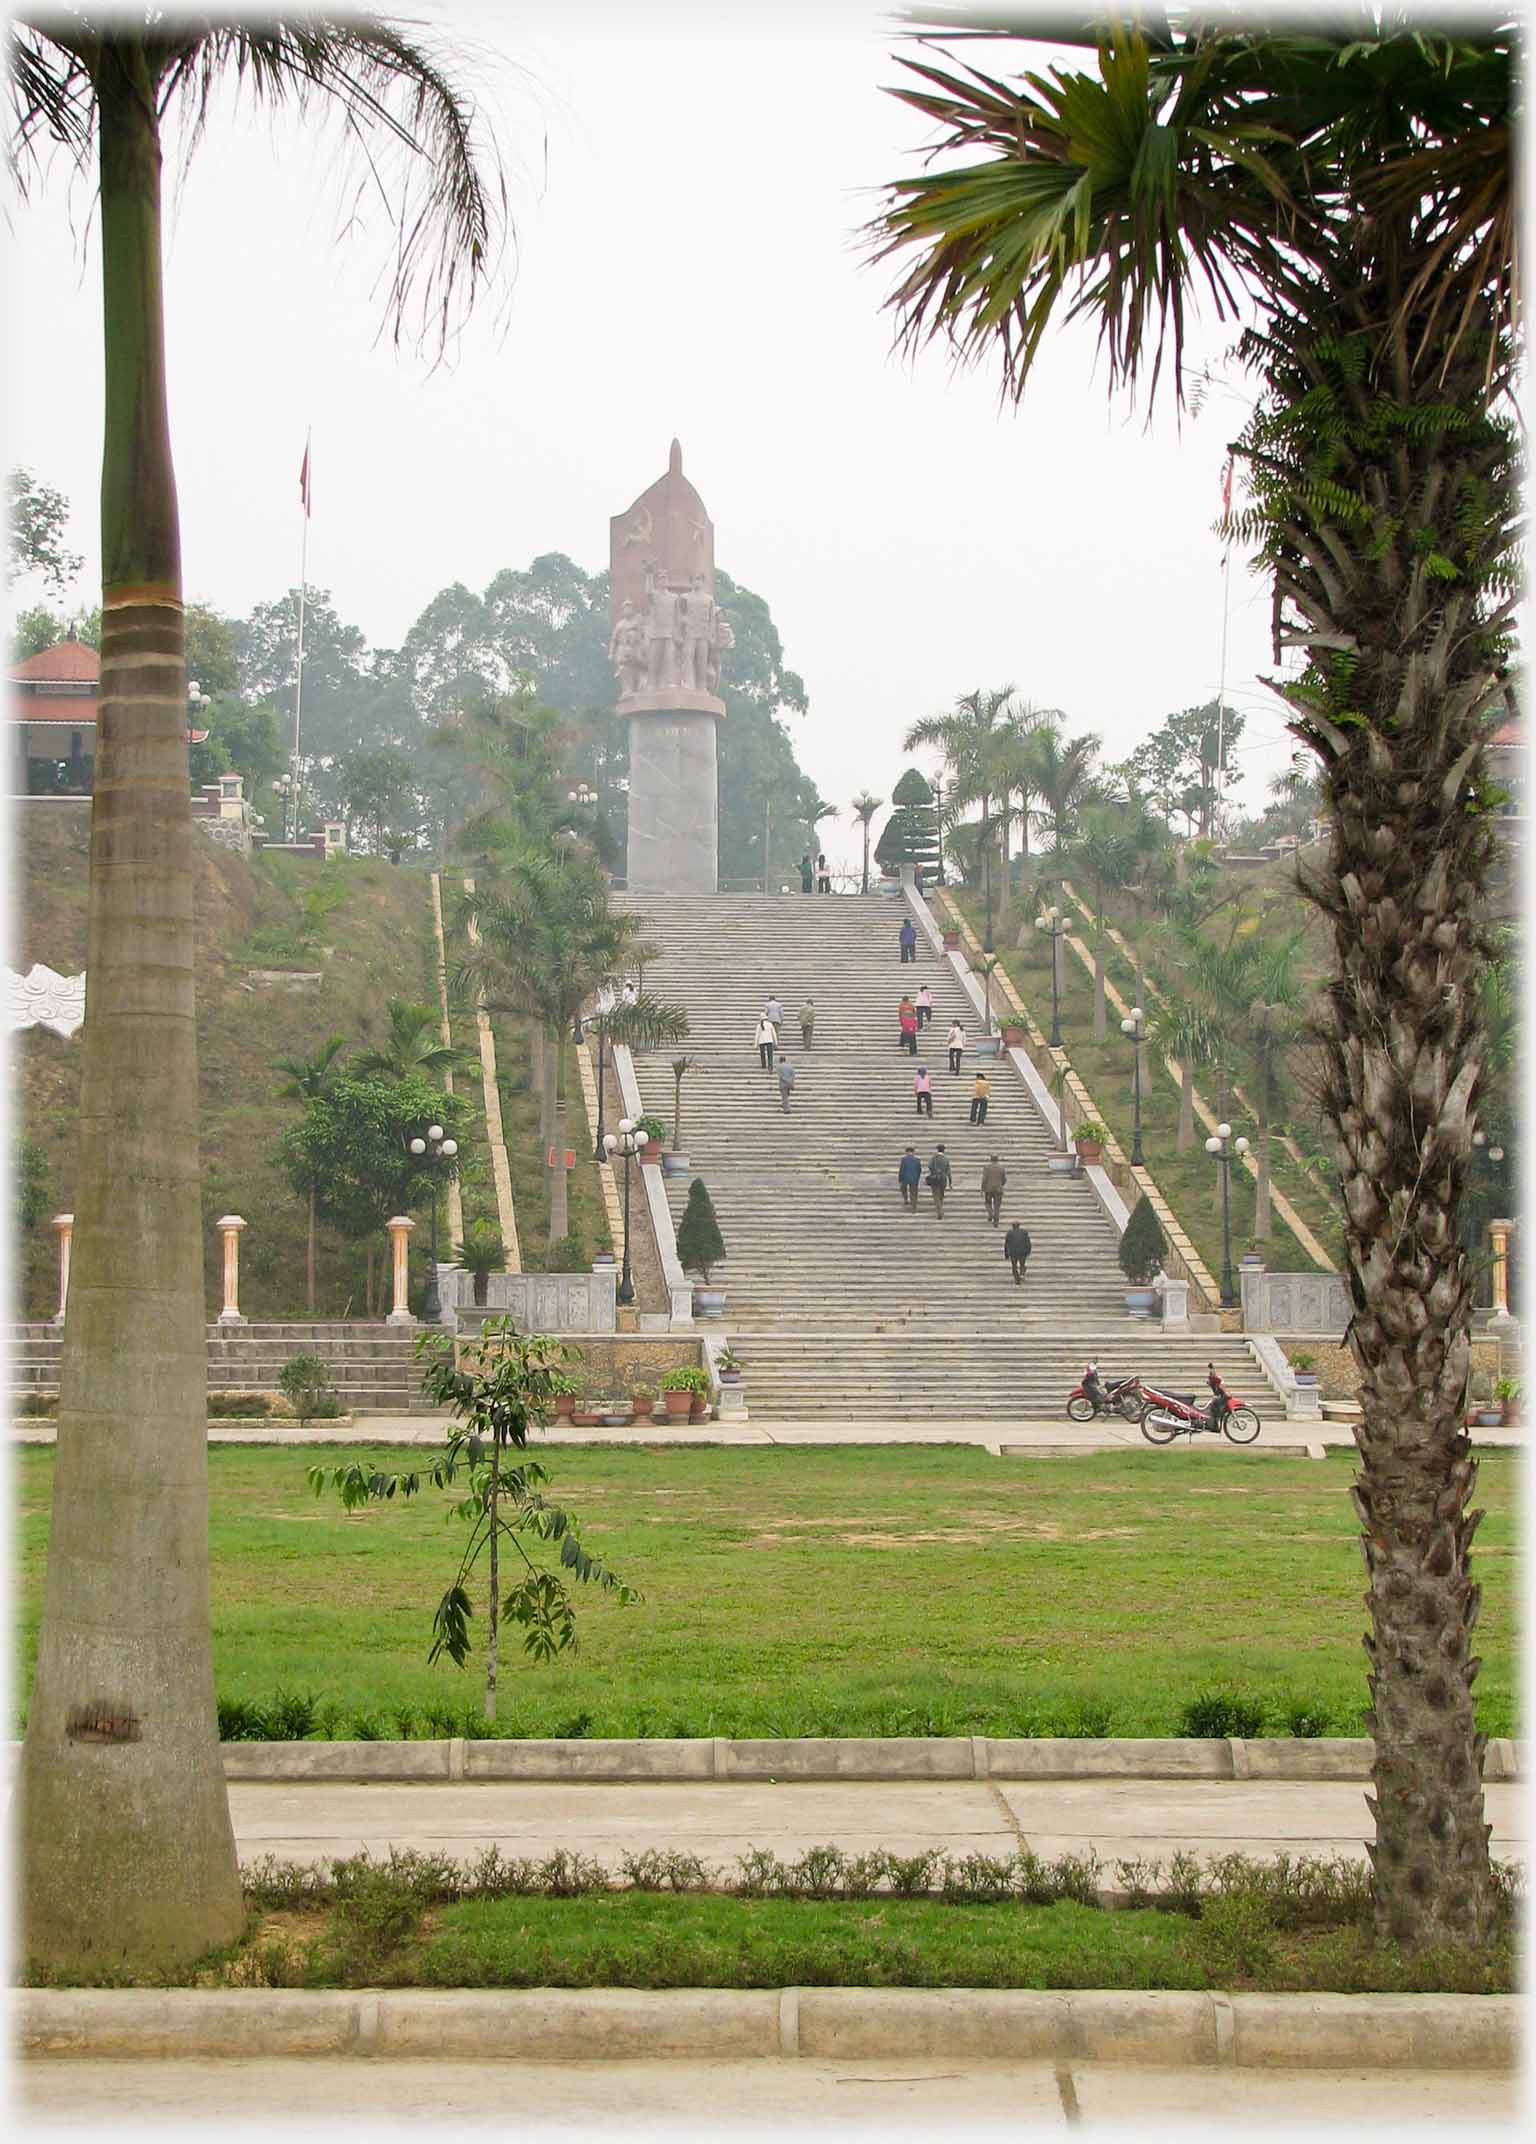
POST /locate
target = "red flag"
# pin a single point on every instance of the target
(1226, 487)
(304, 480)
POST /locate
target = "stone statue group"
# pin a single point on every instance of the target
(677, 642)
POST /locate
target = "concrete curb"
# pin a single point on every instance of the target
(1164, 2028)
(831, 1757)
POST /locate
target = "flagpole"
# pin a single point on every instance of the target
(298, 682)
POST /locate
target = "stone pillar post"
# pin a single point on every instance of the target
(64, 1228)
(1498, 1243)
(229, 1226)
(400, 1227)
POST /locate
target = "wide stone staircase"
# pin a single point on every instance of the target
(843, 1305)
(373, 1365)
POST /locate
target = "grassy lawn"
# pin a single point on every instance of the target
(1190, 1182)
(867, 1590)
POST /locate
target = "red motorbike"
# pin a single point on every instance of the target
(1166, 1415)
(1094, 1396)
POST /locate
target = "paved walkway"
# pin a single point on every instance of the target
(1118, 1819)
(1015, 1439)
(991, 2099)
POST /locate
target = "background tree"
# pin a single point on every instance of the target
(39, 516)
(700, 1244)
(304, 1078)
(413, 1048)
(134, 1858)
(30, 1184)
(1064, 781)
(864, 807)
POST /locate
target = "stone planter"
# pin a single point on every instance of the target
(651, 1151)
(1140, 1302)
(618, 1417)
(1013, 1035)
(675, 1164)
(1489, 1417)
(708, 1302)
(951, 939)
(1090, 1152)
(699, 1411)
(1306, 1379)
(1063, 1165)
(586, 1418)
(565, 1406)
(986, 1045)
(679, 1405)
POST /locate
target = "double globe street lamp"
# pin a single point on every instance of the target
(1136, 1028)
(628, 1142)
(1224, 1146)
(432, 1151)
(1049, 919)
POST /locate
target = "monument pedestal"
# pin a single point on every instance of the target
(674, 804)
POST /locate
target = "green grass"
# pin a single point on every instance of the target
(1190, 1182)
(861, 1590)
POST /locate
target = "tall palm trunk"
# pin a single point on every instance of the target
(1262, 1223)
(559, 1204)
(127, 1852)
(309, 1256)
(864, 881)
(1100, 1014)
(1185, 1137)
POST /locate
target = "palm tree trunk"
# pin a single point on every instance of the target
(1100, 1016)
(127, 1852)
(559, 1185)
(309, 1256)
(864, 881)
(1185, 1138)
(1261, 1217)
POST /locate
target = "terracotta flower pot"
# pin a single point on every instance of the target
(565, 1406)
(699, 1411)
(679, 1405)
(1090, 1151)
(651, 1151)
(1013, 1035)
(951, 939)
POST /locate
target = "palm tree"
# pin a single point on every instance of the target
(415, 1048)
(1103, 850)
(1182, 1030)
(548, 940)
(1064, 781)
(864, 807)
(131, 1855)
(1351, 183)
(306, 1078)
(965, 737)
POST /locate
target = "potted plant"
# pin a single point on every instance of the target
(652, 1131)
(678, 1388)
(617, 1410)
(1013, 1034)
(1088, 1137)
(642, 1397)
(1304, 1367)
(700, 1245)
(1506, 1391)
(588, 1411)
(675, 1161)
(951, 937)
(1143, 1247)
(729, 1366)
(1252, 1260)
(565, 1391)
(481, 1254)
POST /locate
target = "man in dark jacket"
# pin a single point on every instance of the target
(993, 1178)
(940, 1177)
(909, 1175)
(908, 937)
(1016, 1249)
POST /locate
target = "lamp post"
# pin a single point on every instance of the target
(1136, 1028)
(1049, 919)
(627, 1143)
(287, 788)
(1490, 1166)
(434, 1150)
(1223, 1146)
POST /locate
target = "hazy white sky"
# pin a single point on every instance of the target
(688, 184)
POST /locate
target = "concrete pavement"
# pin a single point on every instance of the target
(1025, 1439)
(683, 2098)
(1117, 1819)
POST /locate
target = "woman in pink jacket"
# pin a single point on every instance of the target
(922, 1087)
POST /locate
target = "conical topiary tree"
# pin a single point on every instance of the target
(1143, 1247)
(699, 1241)
(911, 834)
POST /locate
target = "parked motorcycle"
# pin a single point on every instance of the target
(1166, 1415)
(1096, 1396)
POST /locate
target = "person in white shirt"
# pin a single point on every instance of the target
(955, 1044)
(766, 1038)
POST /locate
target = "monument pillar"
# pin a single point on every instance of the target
(668, 639)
